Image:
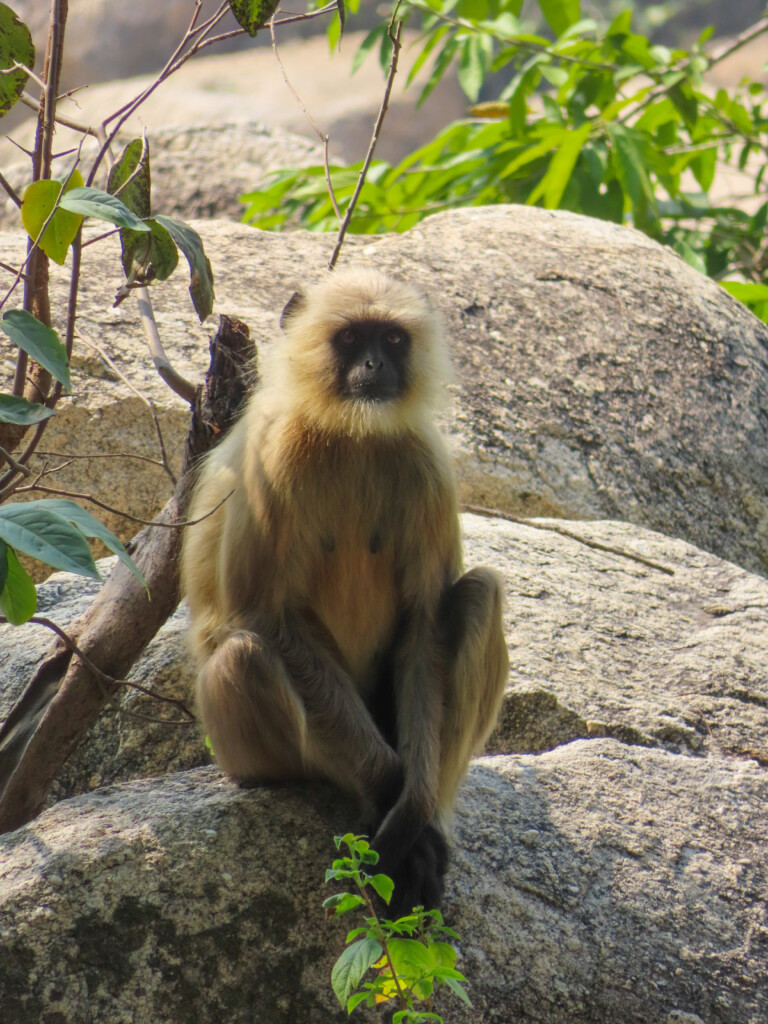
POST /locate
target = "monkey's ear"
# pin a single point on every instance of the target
(296, 302)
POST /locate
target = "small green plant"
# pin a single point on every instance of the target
(409, 957)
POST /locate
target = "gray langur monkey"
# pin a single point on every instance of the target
(336, 635)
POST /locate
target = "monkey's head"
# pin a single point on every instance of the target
(362, 353)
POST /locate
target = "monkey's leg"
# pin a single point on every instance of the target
(272, 720)
(254, 720)
(478, 669)
(470, 685)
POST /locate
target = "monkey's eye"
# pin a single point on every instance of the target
(394, 337)
(347, 336)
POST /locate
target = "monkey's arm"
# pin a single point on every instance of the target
(418, 674)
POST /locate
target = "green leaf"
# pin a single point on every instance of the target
(472, 67)
(621, 24)
(3, 564)
(18, 597)
(342, 903)
(19, 410)
(372, 39)
(458, 990)
(746, 293)
(334, 34)
(253, 14)
(39, 199)
(554, 182)
(383, 885)
(685, 101)
(691, 257)
(560, 14)
(38, 341)
(359, 997)
(704, 166)
(47, 536)
(630, 170)
(155, 254)
(410, 956)
(16, 47)
(191, 244)
(133, 191)
(89, 527)
(349, 969)
(94, 202)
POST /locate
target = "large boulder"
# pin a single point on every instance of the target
(598, 375)
(617, 877)
(599, 882)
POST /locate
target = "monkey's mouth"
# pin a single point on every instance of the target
(372, 392)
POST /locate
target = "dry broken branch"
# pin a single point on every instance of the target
(65, 696)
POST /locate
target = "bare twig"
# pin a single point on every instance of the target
(758, 29)
(12, 193)
(212, 40)
(9, 481)
(10, 269)
(99, 455)
(74, 284)
(59, 492)
(324, 139)
(184, 388)
(174, 62)
(287, 81)
(329, 182)
(17, 467)
(41, 620)
(100, 238)
(395, 37)
(66, 122)
(328, 9)
(18, 66)
(596, 545)
(21, 149)
(147, 401)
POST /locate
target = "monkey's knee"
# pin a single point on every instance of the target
(250, 711)
(477, 672)
(474, 635)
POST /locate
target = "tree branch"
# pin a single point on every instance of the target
(50, 624)
(66, 696)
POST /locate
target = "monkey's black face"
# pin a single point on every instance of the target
(371, 360)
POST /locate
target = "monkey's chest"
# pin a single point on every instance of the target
(355, 597)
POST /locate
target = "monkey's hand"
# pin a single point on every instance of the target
(415, 858)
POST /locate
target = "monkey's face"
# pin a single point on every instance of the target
(361, 353)
(372, 360)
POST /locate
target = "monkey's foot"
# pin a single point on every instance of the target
(419, 876)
